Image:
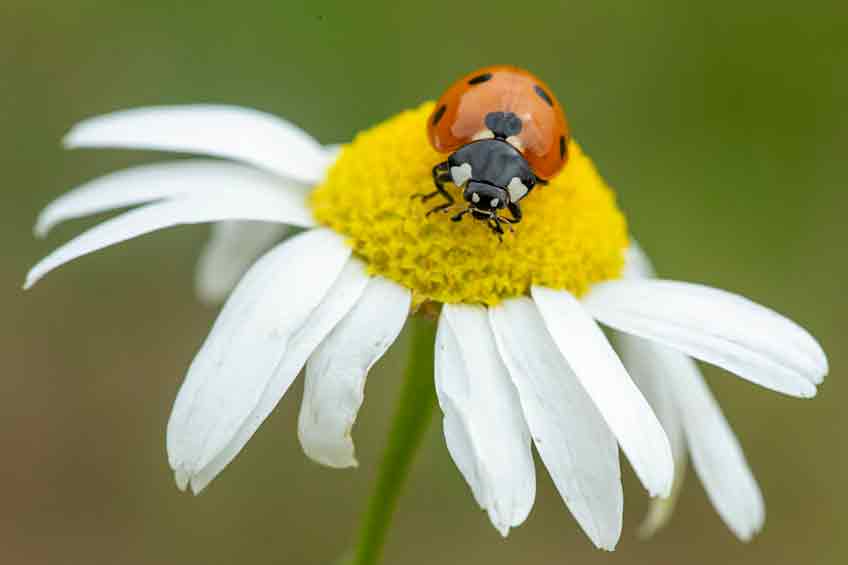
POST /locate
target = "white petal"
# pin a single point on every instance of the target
(246, 200)
(253, 337)
(485, 431)
(570, 434)
(651, 366)
(674, 385)
(715, 326)
(602, 375)
(336, 371)
(716, 453)
(645, 362)
(636, 262)
(333, 151)
(147, 183)
(232, 248)
(231, 132)
(342, 296)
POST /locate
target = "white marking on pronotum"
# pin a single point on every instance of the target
(483, 134)
(475, 198)
(461, 174)
(516, 189)
(515, 141)
(494, 202)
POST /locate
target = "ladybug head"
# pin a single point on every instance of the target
(484, 199)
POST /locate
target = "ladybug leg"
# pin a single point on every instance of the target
(494, 224)
(515, 210)
(459, 216)
(441, 175)
(496, 221)
(508, 223)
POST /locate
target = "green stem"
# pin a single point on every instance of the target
(410, 422)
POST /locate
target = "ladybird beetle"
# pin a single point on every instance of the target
(505, 132)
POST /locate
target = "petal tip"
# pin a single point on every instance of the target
(822, 370)
(506, 518)
(661, 492)
(340, 462)
(747, 534)
(32, 277)
(807, 390)
(825, 367)
(661, 486)
(197, 486)
(327, 452)
(606, 540)
(42, 227)
(71, 140)
(182, 478)
(818, 357)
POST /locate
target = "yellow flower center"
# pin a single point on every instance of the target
(572, 234)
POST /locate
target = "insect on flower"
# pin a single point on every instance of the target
(505, 133)
(518, 360)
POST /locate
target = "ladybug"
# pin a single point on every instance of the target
(505, 132)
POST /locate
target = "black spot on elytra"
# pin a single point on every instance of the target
(562, 147)
(439, 113)
(480, 78)
(543, 95)
(503, 124)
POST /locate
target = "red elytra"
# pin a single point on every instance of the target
(460, 116)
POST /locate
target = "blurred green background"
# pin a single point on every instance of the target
(721, 124)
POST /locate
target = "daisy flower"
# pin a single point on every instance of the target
(520, 358)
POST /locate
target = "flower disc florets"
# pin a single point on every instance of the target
(572, 234)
